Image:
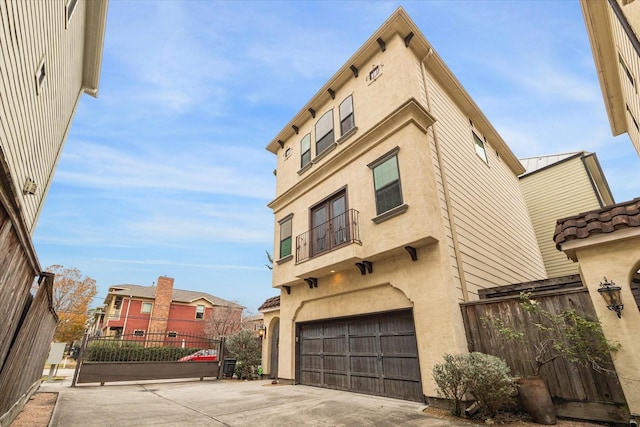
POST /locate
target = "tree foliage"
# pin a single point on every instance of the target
(72, 294)
(246, 347)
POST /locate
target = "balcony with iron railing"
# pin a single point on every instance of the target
(339, 231)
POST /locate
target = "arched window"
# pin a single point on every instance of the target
(324, 132)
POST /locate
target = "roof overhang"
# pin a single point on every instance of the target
(95, 27)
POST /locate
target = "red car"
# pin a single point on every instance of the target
(209, 355)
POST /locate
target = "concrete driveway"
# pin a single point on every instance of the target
(228, 403)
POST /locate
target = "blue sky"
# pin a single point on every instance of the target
(166, 172)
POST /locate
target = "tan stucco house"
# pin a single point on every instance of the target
(396, 200)
(556, 186)
(613, 27)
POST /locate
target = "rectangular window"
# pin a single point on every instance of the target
(40, 75)
(324, 132)
(117, 303)
(172, 334)
(68, 11)
(386, 180)
(480, 150)
(626, 69)
(138, 332)
(285, 237)
(305, 150)
(347, 121)
(146, 307)
(200, 312)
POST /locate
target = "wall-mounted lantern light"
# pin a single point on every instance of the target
(262, 331)
(611, 294)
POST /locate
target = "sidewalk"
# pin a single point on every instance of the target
(227, 403)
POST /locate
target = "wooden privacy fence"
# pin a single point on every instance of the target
(28, 348)
(577, 391)
(147, 356)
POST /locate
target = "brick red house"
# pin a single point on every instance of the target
(134, 310)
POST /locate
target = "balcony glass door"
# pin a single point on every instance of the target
(329, 226)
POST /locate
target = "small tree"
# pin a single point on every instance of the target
(566, 334)
(72, 295)
(245, 346)
(223, 321)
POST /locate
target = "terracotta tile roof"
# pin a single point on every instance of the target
(273, 302)
(178, 295)
(605, 220)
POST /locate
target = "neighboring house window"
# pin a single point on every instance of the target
(146, 307)
(118, 303)
(200, 312)
(305, 150)
(172, 334)
(329, 223)
(386, 180)
(480, 150)
(347, 121)
(138, 332)
(324, 132)
(68, 11)
(285, 236)
(626, 69)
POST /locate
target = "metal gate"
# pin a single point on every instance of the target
(373, 354)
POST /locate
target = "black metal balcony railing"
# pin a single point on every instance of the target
(338, 231)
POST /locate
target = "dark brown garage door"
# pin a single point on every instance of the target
(373, 354)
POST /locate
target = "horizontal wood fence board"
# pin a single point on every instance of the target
(103, 372)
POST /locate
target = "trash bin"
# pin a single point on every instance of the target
(228, 366)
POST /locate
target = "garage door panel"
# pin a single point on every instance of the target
(401, 368)
(334, 328)
(397, 322)
(335, 345)
(364, 364)
(399, 344)
(309, 377)
(403, 390)
(369, 385)
(362, 344)
(311, 345)
(336, 381)
(311, 361)
(365, 326)
(336, 363)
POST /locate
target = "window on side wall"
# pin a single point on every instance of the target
(138, 332)
(146, 307)
(199, 311)
(324, 132)
(285, 237)
(386, 180)
(480, 148)
(305, 150)
(347, 121)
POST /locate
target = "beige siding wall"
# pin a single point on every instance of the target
(496, 239)
(624, 47)
(33, 125)
(549, 198)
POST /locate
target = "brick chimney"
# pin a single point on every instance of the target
(162, 305)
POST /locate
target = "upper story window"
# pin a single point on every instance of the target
(305, 150)
(117, 303)
(199, 311)
(146, 307)
(386, 180)
(324, 132)
(480, 149)
(623, 64)
(40, 75)
(68, 11)
(347, 121)
(285, 237)
(329, 223)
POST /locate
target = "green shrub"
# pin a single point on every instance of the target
(489, 382)
(483, 376)
(133, 352)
